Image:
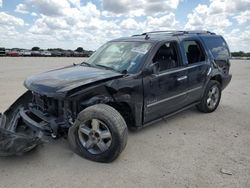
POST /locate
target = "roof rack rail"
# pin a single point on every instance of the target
(175, 32)
(165, 31)
(200, 32)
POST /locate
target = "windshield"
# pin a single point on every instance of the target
(120, 56)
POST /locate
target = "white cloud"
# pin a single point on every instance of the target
(83, 23)
(229, 6)
(9, 20)
(33, 14)
(76, 3)
(68, 23)
(216, 15)
(21, 8)
(238, 40)
(129, 24)
(165, 22)
(8, 24)
(243, 17)
(138, 7)
(50, 7)
(205, 18)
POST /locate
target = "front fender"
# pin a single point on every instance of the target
(96, 100)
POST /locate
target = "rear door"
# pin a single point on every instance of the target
(197, 65)
(164, 90)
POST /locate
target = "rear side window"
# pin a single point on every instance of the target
(217, 47)
(193, 51)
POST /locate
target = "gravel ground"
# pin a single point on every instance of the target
(190, 149)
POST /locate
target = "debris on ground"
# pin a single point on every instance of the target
(236, 135)
(225, 171)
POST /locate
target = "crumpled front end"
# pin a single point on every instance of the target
(31, 120)
(16, 137)
(16, 144)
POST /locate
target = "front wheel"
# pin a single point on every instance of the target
(211, 97)
(99, 133)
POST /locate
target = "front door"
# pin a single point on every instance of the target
(165, 89)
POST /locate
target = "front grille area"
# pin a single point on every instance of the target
(47, 105)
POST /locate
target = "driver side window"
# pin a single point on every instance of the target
(166, 57)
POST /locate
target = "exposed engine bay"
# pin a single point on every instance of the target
(28, 122)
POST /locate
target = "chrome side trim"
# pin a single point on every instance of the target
(175, 96)
(209, 71)
(182, 78)
(180, 69)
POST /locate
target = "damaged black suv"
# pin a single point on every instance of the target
(128, 82)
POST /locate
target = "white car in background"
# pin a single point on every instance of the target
(26, 53)
(45, 53)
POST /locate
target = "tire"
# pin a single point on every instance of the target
(99, 133)
(208, 105)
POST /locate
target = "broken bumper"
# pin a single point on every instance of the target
(13, 141)
(226, 80)
(16, 144)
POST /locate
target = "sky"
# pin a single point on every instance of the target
(69, 24)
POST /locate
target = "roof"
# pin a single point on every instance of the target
(155, 36)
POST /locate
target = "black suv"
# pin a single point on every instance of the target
(128, 82)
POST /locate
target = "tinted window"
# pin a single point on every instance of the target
(193, 51)
(166, 57)
(217, 47)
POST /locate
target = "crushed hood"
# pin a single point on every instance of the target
(60, 81)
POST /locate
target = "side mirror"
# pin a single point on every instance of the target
(152, 69)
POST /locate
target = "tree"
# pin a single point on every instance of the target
(79, 49)
(35, 48)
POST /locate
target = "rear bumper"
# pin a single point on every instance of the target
(226, 80)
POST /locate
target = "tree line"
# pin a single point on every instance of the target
(79, 49)
(240, 54)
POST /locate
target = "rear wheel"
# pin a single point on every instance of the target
(211, 98)
(99, 133)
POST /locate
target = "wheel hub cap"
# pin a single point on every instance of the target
(213, 97)
(95, 136)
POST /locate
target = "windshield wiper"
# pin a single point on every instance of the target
(85, 63)
(106, 67)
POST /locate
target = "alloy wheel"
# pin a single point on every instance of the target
(95, 136)
(213, 97)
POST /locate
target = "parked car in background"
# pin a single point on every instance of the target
(35, 53)
(45, 53)
(27, 53)
(12, 53)
(68, 53)
(2, 51)
(56, 53)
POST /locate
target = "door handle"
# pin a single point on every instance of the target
(182, 78)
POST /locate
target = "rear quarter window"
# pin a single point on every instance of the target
(217, 47)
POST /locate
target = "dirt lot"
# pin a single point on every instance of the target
(187, 150)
